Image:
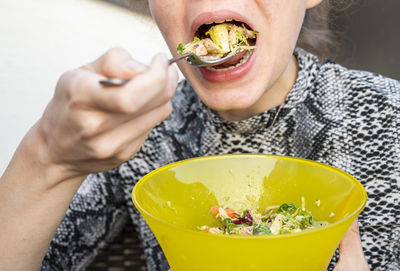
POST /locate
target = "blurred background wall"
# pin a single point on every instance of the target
(369, 32)
(41, 39)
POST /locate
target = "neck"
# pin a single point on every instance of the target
(273, 97)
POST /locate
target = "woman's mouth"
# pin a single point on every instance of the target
(238, 65)
(228, 72)
(218, 39)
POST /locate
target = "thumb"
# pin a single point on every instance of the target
(116, 63)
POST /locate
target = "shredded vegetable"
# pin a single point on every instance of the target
(281, 219)
(220, 40)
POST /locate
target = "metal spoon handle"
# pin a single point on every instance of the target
(120, 82)
(179, 57)
(110, 82)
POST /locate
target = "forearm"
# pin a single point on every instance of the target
(34, 196)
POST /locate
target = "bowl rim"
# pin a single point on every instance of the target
(282, 157)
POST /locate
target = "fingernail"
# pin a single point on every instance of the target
(135, 66)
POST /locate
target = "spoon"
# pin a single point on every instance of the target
(190, 58)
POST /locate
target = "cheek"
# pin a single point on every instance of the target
(169, 15)
(160, 10)
(283, 18)
(283, 23)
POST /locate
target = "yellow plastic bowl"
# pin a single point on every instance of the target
(175, 199)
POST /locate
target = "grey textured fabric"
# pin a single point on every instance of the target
(345, 118)
(125, 253)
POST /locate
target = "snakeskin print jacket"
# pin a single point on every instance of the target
(345, 118)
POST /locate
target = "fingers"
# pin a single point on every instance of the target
(110, 124)
(148, 88)
(91, 128)
(351, 242)
(146, 91)
(351, 252)
(124, 140)
(116, 63)
(154, 98)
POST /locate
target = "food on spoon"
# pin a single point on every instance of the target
(275, 220)
(220, 40)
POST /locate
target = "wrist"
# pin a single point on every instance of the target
(32, 162)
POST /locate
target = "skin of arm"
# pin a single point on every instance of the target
(85, 128)
(31, 207)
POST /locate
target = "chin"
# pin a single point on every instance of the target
(235, 98)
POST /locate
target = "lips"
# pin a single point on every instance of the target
(231, 74)
(225, 72)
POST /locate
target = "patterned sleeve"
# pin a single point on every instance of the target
(95, 216)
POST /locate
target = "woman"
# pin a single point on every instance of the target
(281, 100)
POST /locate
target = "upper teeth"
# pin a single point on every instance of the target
(221, 21)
